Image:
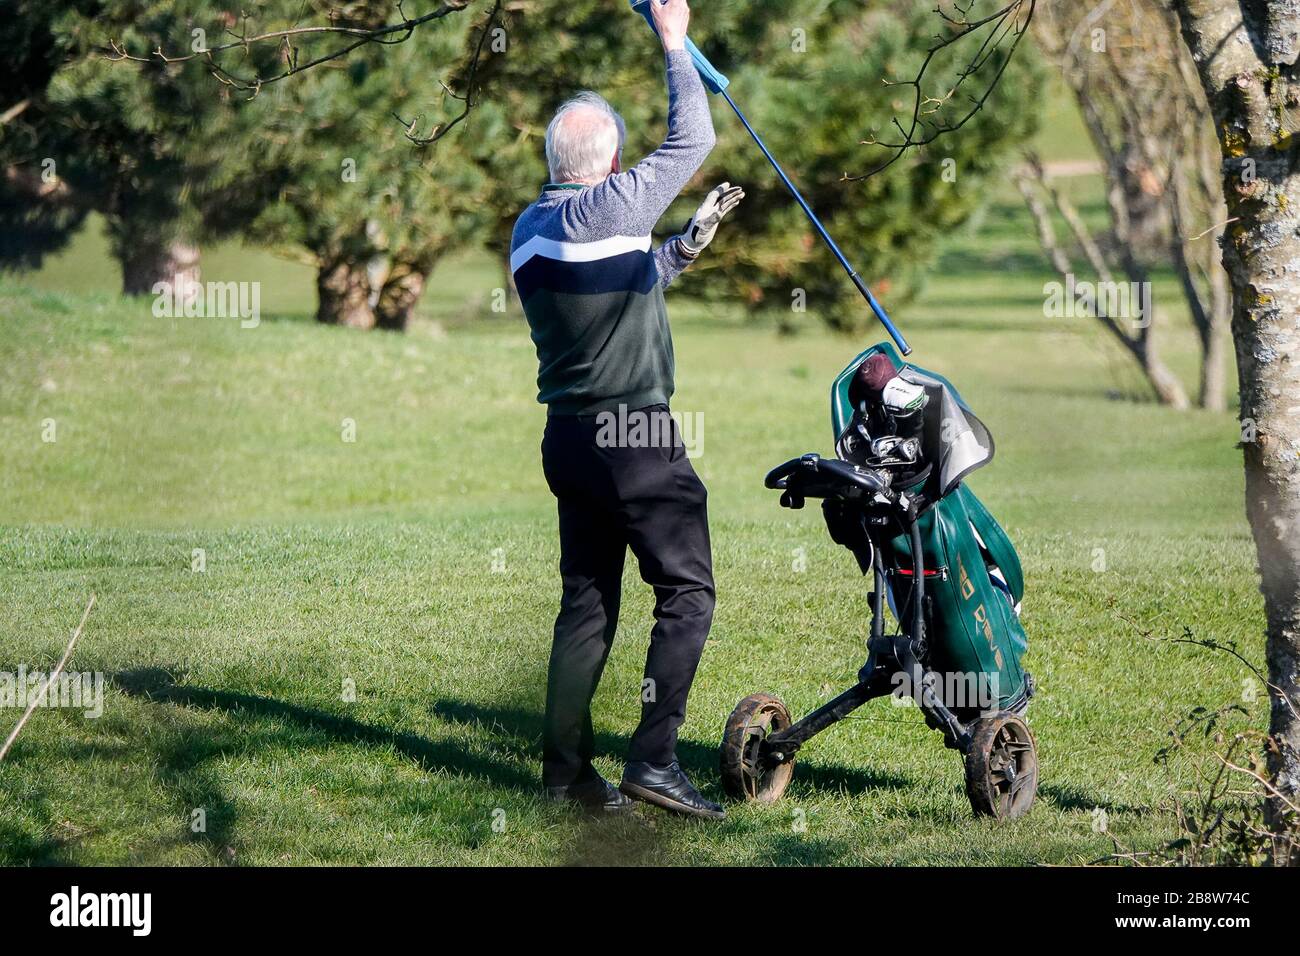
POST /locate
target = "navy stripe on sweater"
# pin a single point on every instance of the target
(628, 272)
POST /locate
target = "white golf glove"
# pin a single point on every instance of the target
(700, 230)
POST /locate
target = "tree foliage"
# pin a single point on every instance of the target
(89, 138)
(167, 146)
(814, 84)
(334, 173)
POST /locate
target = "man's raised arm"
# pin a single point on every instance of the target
(645, 191)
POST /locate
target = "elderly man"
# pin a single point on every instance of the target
(592, 289)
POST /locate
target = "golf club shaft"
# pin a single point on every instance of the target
(894, 334)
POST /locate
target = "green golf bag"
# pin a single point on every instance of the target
(973, 579)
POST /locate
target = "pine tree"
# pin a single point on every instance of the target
(333, 172)
(87, 135)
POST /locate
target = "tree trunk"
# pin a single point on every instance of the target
(1211, 308)
(1267, 339)
(399, 295)
(1250, 77)
(1145, 111)
(1169, 391)
(1214, 376)
(1167, 387)
(343, 294)
(148, 263)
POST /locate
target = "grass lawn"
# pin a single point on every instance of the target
(417, 564)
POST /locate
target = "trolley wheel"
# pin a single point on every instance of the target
(1001, 767)
(745, 775)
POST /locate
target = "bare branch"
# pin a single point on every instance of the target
(1216, 226)
(441, 130)
(15, 111)
(1005, 28)
(1231, 648)
(1259, 778)
(388, 34)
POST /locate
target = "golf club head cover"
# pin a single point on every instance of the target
(877, 382)
(870, 379)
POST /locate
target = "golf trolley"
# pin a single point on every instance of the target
(941, 564)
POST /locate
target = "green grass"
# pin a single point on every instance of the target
(372, 563)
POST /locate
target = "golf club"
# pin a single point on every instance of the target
(718, 83)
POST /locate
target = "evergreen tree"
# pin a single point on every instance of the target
(97, 136)
(334, 172)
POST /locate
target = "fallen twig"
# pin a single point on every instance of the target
(54, 675)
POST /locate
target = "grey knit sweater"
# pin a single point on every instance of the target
(592, 286)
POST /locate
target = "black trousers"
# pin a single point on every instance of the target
(613, 496)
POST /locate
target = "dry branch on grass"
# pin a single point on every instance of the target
(54, 675)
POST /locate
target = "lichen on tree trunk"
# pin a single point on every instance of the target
(1246, 56)
(1262, 254)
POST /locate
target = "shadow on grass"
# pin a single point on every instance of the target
(524, 727)
(627, 840)
(790, 849)
(179, 758)
(159, 684)
(1070, 797)
(697, 759)
(644, 837)
(980, 261)
(20, 848)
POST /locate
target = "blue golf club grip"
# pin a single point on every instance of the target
(714, 80)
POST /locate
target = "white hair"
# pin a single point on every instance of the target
(582, 139)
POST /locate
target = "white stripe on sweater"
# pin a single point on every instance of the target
(577, 251)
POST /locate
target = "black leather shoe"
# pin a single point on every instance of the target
(597, 796)
(667, 787)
